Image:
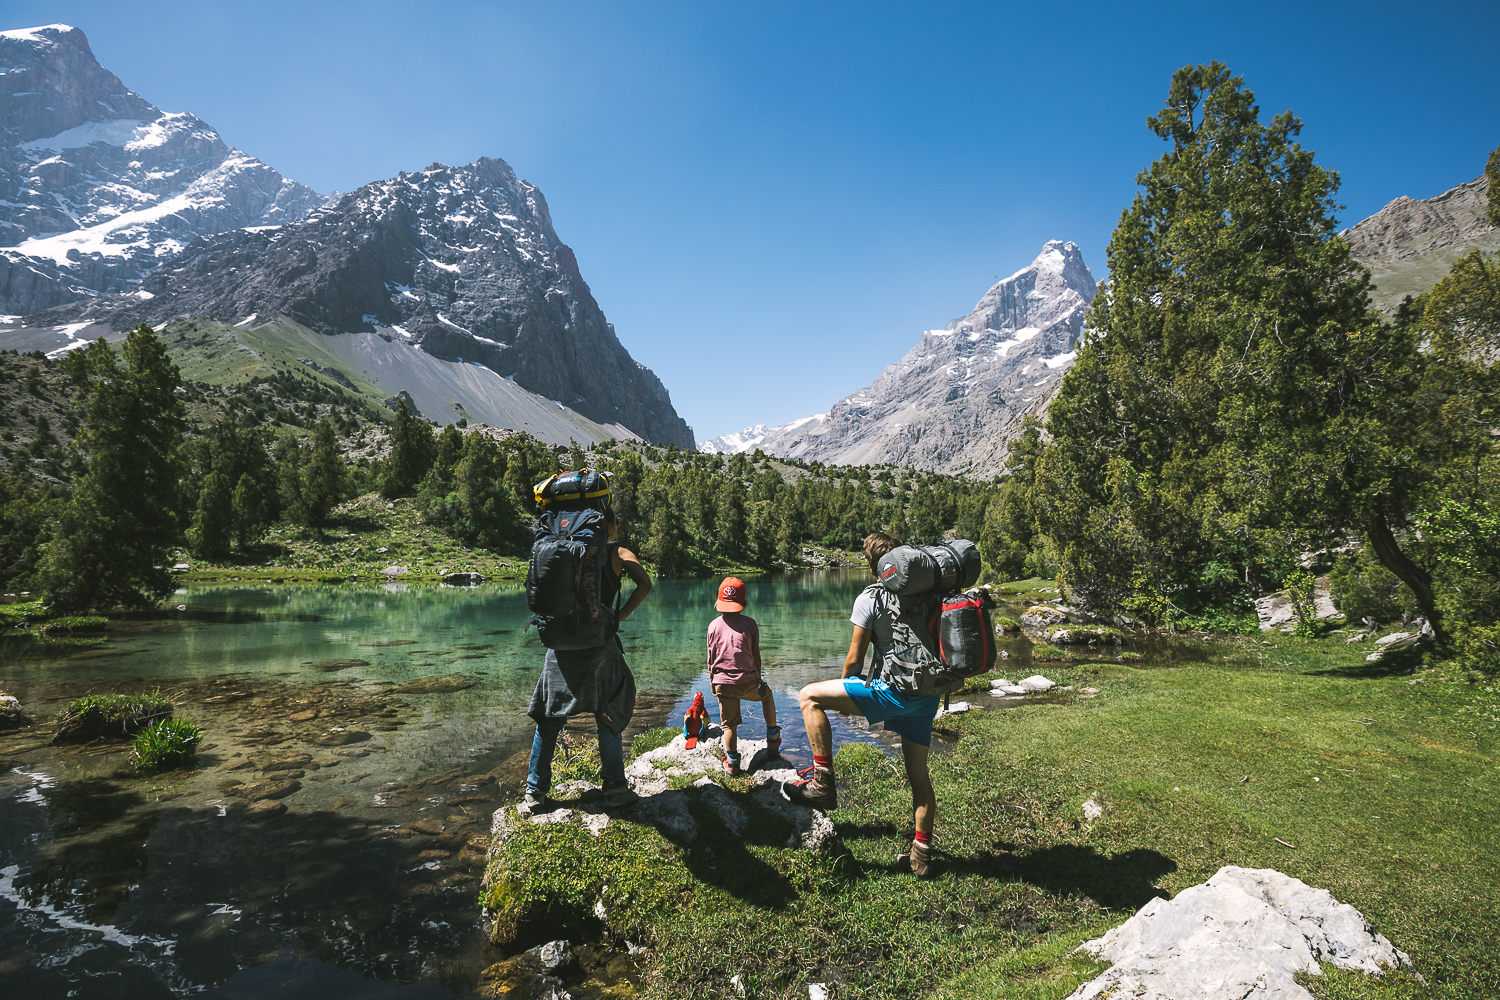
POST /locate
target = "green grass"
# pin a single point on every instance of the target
(1199, 764)
(1043, 653)
(97, 716)
(367, 524)
(652, 739)
(75, 623)
(170, 743)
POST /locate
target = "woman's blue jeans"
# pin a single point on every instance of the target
(544, 745)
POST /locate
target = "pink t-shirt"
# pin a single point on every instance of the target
(733, 649)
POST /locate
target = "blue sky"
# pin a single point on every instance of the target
(772, 200)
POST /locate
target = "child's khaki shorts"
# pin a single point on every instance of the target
(730, 695)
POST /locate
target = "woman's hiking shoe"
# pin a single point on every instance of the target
(917, 860)
(732, 765)
(773, 741)
(814, 787)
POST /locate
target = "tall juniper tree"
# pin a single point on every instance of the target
(1228, 407)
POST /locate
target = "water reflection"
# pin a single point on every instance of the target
(357, 740)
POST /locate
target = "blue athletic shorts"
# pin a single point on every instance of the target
(909, 715)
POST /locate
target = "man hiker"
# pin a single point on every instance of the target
(908, 715)
(596, 681)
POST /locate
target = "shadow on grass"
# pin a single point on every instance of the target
(1125, 881)
(724, 859)
(1393, 664)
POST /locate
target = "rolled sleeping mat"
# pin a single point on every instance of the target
(907, 569)
(945, 567)
(949, 565)
(970, 563)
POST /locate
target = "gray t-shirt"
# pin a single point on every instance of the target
(866, 615)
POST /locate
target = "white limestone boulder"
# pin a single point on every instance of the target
(1245, 932)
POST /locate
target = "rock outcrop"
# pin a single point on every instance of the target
(100, 186)
(954, 402)
(1410, 244)
(1245, 932)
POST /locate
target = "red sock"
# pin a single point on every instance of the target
(922, 838)
(822, 761)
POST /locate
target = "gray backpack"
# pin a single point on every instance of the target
(909, 597)
(912, 666)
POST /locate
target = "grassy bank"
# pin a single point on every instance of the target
(1360, 778)
(364, 538)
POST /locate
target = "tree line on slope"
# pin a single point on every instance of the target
(144, 483)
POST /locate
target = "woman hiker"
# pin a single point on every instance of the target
(909, 715)
(582, 681)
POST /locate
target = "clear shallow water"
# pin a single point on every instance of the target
(364, 883)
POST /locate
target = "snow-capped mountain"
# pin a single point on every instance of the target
(952, 403)
(751, 437)
(460, 262)
(98, 186)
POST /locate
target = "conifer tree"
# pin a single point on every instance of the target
(111, 543)
(213, 521)
(326, 484)
(411, 455)
(1227, 408)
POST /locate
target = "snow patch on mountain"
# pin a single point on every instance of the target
(952, 402)
(751, 437)
(100, 185)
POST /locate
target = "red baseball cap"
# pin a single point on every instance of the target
(731, 595)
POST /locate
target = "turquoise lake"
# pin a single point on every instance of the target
(360, 880)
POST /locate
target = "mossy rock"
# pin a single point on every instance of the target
(549, 881)
(1003, 624)
(1044, 653)
(1078, 635)
(11, 715)
(1130, 657)
(105, 716)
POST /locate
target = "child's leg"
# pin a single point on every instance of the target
(768, 706)
(729, 717)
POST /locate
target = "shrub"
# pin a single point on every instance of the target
(1362, 588)
(22, 614)
(652, 739)
(75, 623)
(97, 716)
(168, 744)
(1226, 621)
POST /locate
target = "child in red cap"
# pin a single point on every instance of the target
(734, 671)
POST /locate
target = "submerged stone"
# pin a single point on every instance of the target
(440, 684)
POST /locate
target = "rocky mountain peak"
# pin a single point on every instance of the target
(951, 402)
(461, 262)
(98, 185)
